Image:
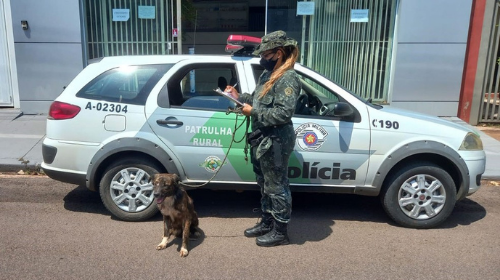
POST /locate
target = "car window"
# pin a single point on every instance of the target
(202, 81)
(313, 96)
(128, 84)
(257, 71)
(316, 99)
(313, 88)
(192, 87)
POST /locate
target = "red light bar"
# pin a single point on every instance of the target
(244, 41)
(233, 48)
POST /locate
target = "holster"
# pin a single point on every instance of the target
(255, 137)
(278, 162)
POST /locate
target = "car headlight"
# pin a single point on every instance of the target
(472, 142)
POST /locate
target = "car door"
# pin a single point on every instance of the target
(329, 150)
(192, 120)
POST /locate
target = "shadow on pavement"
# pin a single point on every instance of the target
(193, 242)
(313, 214)
(465, 213)
(80, 199)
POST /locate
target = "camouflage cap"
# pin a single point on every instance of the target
(273, 40)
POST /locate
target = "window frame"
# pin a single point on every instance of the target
(172, 96)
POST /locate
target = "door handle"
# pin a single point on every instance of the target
(167, 122)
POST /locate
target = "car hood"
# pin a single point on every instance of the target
(427, 118)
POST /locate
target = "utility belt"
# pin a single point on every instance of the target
(272, 141)
(255, 137)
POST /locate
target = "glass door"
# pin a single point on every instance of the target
(5, 74)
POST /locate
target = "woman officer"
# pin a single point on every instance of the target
(271, 107)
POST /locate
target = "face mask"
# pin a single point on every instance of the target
(268, 64)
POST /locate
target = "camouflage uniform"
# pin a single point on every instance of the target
(273, 112)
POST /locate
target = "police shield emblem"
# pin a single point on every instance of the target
(310, 136)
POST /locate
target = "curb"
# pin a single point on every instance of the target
(13, 167)
(491, 178)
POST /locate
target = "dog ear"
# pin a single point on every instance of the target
(176, 178)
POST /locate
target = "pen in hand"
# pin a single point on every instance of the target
(234, 85)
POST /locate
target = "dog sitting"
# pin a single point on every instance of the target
(177, 209)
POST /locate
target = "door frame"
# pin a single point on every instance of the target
(472, 95)
(7, 25)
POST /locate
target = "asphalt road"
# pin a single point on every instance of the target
(51, 230)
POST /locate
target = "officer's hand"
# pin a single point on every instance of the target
(246, 109)
(232, 91)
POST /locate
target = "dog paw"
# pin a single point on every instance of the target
(163, 243)
(184, 252)
(161, 246)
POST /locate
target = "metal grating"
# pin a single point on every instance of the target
(135, 36)
(357, 55)
(490, 99)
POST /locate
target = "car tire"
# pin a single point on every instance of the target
(126, 189)
(419, 195)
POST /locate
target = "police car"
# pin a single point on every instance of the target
(123, 119)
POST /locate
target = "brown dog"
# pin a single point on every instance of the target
(179, 217)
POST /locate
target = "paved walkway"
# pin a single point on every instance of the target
(21, 139)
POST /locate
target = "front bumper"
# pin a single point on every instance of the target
(476, 165)
(476, 170)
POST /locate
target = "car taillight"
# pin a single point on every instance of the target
(62, 111)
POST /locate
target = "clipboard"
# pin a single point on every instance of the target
(226, 95)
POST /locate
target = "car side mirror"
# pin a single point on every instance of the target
(342, 109)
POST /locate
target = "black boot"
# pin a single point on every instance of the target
(264, 226)
(277, 236)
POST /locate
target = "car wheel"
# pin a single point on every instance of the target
(126, 189)
(420, 195)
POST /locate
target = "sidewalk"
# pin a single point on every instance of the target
(21, 139)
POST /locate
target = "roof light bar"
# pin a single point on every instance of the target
(242, 45)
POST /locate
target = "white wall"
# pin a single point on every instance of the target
(49, 53)
(429, 55)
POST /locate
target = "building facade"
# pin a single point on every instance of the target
(411, 54)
